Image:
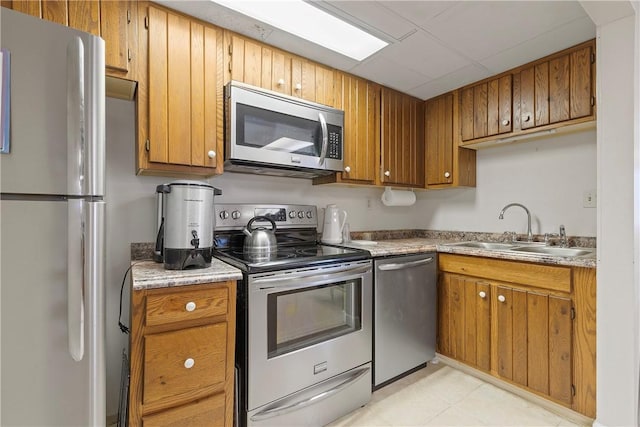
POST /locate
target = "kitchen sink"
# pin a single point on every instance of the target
(528, 248)
(484, 245)
(554, 251)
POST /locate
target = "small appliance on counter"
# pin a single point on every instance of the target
(185, 224)
(333, 225)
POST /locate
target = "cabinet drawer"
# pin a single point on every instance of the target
(176, 363)
(205, 412)
(555, 278)
(178, 307)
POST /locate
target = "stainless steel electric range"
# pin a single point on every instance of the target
(304, 321)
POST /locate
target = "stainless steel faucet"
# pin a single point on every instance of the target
(563, 237)
(529, 233)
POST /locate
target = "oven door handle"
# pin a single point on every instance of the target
(325, 274)
(404, 265)
(282, 407)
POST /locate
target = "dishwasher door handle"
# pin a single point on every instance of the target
(404, 265)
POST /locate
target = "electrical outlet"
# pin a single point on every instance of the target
(589, 199)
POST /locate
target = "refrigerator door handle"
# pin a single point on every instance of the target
(94, 292)
(75, 278)
(76, 127)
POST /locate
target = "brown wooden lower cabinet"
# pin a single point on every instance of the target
(536, 331)
(182, 355)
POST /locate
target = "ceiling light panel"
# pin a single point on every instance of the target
(310, 23)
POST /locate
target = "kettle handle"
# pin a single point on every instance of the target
(261, 218)
(344, 220)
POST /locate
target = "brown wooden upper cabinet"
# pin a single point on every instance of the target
(557, 90)
(402, 139)
(439, 139)
(114, 21)
(180, 106)
(486, 108)
(361, 120)
(261, 65)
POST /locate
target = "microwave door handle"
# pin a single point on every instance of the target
(325, 138)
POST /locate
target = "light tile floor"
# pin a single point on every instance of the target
(442, 396)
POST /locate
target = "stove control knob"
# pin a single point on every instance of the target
(309, 214)
(235, 214)
(300, 214)
(292, 214)
(224, 214)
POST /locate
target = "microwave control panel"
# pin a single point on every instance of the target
(334, 146)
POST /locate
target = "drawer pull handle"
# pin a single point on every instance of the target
(482, 294)
(189, 363)
(190, 306)
(501, 298)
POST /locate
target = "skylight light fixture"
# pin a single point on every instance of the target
(310, 23)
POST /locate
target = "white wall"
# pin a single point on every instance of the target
(548, 176)
(617, 375)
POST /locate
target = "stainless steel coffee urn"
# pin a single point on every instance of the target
(185, 224)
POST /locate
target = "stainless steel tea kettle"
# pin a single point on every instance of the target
(260, 241)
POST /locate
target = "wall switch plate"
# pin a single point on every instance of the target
(589, 199)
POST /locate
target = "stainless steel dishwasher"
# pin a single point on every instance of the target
(405, 304)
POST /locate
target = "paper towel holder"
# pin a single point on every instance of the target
(391, 197)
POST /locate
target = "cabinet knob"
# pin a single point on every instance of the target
(447, 174)
(482, 294)
(347, 169)
(298, 86)
(211, 154)
(526, 117)
(280, 82)
(387, 173)
(505, 122)
(190, 306)
(189, 363)
(501, 298)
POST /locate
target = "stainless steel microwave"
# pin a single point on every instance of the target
(273, 134)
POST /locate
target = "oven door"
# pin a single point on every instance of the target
(269, 128)
(306, 326)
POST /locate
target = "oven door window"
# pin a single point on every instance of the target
(304, 317)
(270, 130)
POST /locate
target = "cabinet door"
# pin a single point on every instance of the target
(115, 26)
(326, 86)
(534, 341)
(557, 90)
(402, 139)
(439, 140)
(257, 64)
(464, 320)
(359, 99)
(486, 108)
(184, 91)
(303, 79)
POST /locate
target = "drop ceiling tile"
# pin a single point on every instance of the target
(418, 12)
(580, 30)
(423, 54)
(369, 15)
(484, 28)
(454, 80)
(389, 73)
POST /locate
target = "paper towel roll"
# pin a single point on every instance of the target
(392, 197)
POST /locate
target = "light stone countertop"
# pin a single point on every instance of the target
(150, 275)
(392, 247)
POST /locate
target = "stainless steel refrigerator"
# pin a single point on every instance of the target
(52, 225)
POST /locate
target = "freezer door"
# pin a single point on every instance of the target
(57, 109)
(41, 383)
